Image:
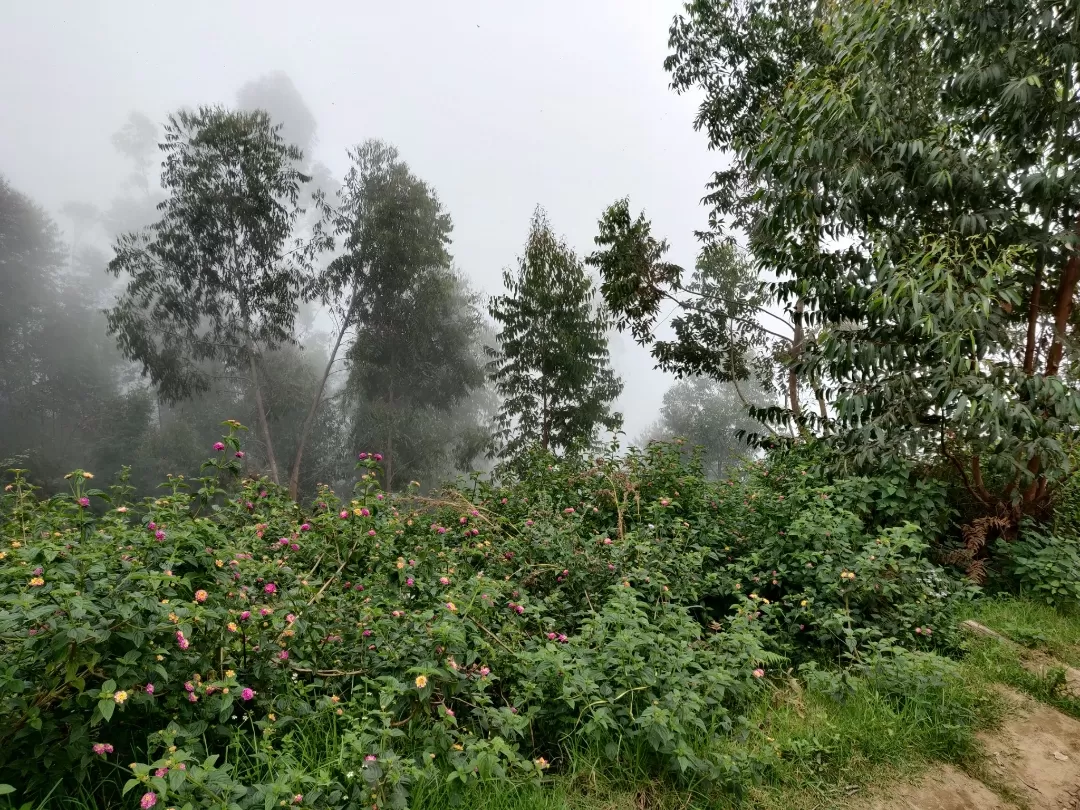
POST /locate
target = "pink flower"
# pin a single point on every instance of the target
(377, 456)
(239, 454)
(84, 502)
(148, 800)
(149, 689)
(189, 686)
(299, 797)
(159, 535)
(367, 633)
(283, 655)
(200, 596)
(192, 698)
(264, 612)
(344, 514)
(219, 446)
(409, 582)
(552, 636)
(247, 694)
(568, 510)
(759, 673)
(449, 712)
(182, 642)
(245, 615)
(520, 609)
(294, 547)
(263, 493)
(151, 525)
(364, 512)
(362, 456)
(101, 749)
(290, 618)
(270, 587)
(484, 672)
(370, 758)
(161, 772)
(283, 541)
(444, 580)
(305, 527)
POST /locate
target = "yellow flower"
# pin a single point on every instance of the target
(421, 681)
(87, 475)
(164, 601)
(219, 563)
(541, 763)
(3, 554)
(230, 673)
(225, 690)
(400, 562)
(272, 717)
(232, 627)
(357, 512)
(120, 696)
(159, 657)
(173, 618)
(16, 544)
(802, 603)
(335, 699)
(37, 581)
(9, 487)
(458, 747)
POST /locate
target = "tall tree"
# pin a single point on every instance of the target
(551, 365)
(713, 416)
(217, 278)
(928, 227)
(400, 313)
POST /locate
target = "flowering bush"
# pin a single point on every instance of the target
(469, 636)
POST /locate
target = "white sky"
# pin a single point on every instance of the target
(499, 105)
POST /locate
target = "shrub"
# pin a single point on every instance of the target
(216, 635)
(1042, 564)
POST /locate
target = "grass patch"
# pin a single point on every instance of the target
(992, 660)
(1033, 624)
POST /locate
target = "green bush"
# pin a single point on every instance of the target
(222, 645)
(1042, 564)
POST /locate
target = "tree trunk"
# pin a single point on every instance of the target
(797, 342)
(264, 424)
(1063, 307)
(1033, 320)
(316, 400)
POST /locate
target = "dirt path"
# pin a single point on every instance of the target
(1032, 762)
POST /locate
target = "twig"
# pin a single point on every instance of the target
(494, 637)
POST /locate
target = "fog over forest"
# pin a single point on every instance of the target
(493, 111)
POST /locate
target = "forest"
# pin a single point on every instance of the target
(294, 513)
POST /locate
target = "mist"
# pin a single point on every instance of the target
(493, 109)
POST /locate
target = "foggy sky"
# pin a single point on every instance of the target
(499, 105)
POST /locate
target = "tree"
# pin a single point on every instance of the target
(551, 366)
(216, 278)
(60, 381)
(928, 227)
(723, 329)
(710, 415)
(391, 291)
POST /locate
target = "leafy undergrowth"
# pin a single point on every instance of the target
(595, 631)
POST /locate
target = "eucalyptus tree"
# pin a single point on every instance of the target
(551, 366)
(218, 278)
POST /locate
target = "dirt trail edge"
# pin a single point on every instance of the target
(1031, 762)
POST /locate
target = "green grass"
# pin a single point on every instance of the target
(1037, 625)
